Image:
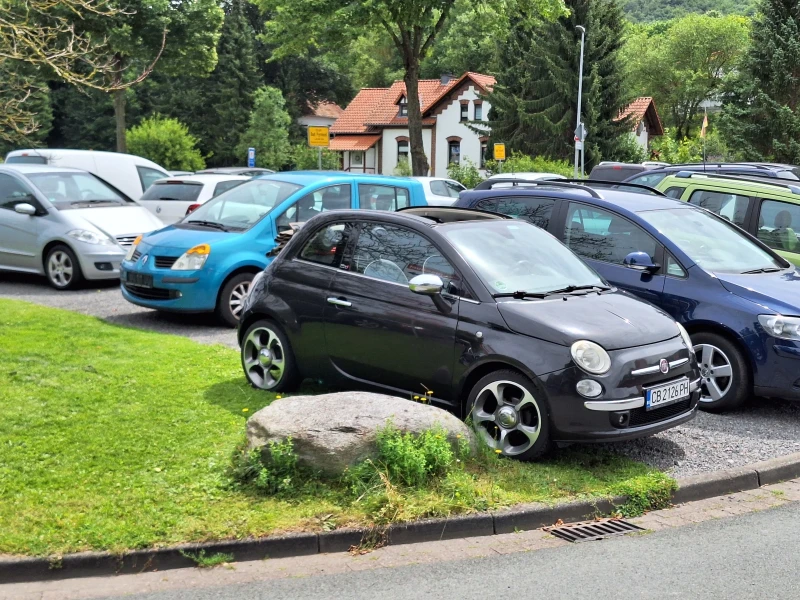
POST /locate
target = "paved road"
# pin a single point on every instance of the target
(103, 299)
(765, 429)
(752, 556)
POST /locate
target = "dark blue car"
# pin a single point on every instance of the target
(739, 300)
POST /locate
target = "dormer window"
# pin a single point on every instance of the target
(402, 107)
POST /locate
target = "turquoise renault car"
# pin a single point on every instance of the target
(206, 262)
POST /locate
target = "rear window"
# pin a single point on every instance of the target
(27, 160)
(179, 191)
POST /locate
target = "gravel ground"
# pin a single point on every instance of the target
(763, 429)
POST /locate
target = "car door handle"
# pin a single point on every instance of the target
(339, 302)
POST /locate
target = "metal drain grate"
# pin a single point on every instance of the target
(592, 530)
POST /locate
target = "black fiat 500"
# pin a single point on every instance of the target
(494, 316)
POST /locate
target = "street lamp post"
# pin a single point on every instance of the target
(579, 132)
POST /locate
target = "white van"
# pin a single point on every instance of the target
(130, 174)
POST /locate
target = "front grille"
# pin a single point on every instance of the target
(126, 241)
(136, 255)
(165, 262)
(640, 416)
(152, 293)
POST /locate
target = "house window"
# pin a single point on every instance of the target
(465, 111)
(478, 111)
(357, 159)
(454, 152)
(402, 108)
(484, 150)
(402, 151)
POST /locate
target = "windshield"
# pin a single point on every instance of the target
(76, 190)
(242, 207)
(512, 256)
(711, 242)
(180, 190)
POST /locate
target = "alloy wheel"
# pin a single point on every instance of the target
(60, 268)
(716, 372)
(237, 298)
(507, 417)
(264, 358)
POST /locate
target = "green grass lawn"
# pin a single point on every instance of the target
(113, 438)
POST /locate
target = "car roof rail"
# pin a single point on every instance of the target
(451, 214)
(723, 165)
(620, 185)
(490, 183)
(795, 189)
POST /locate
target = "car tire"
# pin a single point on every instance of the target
(716, 357)
(62, 269)
(231, 298)
(267, 358)
(526, 432)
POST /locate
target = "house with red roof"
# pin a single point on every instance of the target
(644, 120)
(372, 132)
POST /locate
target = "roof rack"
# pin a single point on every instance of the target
(635, 187)
(490, 183)
(723, 165)
(450, 214)
(795, 189)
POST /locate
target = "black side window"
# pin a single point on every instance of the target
(487, 204)
(382, 197)
(329, 198)
(147, 176)
(601, 235)
(13, 192)
(675, 192)
(438, 188)
(398, 255)
(732, 207)
(536, 211)
(327, 245)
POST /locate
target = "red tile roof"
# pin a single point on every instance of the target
(353, 142)
(327, 110)
(375, 107)
(638, 110)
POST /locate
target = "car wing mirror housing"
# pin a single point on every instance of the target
(641, 261)
(25, 208)
(426, 285)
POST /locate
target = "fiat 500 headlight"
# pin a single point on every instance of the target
(685, 335)
(193, 259)
(785, 328)
(590, 357)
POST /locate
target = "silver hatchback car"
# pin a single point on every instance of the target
(66, 224)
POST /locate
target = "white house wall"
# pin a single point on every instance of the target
(448, 124)
(389, 141)
(370, 162)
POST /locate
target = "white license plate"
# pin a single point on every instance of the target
(667, 394)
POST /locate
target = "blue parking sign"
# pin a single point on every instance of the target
(251, 157)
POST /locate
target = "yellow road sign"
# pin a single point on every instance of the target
(319, 137)
(499, 151)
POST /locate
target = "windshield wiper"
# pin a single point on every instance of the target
(209, 224)
(521, 294)
(762, 270)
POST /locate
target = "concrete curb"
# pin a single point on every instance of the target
(517, 518)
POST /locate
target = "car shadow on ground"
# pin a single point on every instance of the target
(235, 395)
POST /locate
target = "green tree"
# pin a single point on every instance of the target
(305, 158)
(761, 117)
(166, 142)
(684, 63)
(659, 10)
(534, 104)
(176, 36)
(412, 25)
(268, 131)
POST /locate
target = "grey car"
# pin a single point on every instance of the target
(66, 224)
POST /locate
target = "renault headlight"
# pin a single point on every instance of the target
(785, 328)
(193, 259)
(132, 249)
(91, 237)
(685, 335)
(590, 357)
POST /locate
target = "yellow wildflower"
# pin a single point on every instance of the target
(245, 409)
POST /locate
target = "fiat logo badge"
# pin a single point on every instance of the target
(663, 365)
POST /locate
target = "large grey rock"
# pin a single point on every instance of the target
(332, 431)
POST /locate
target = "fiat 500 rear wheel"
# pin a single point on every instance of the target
(509, 415)
(267, 358)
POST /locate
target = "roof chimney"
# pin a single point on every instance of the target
(446, 78)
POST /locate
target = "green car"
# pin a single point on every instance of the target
(768, 210)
